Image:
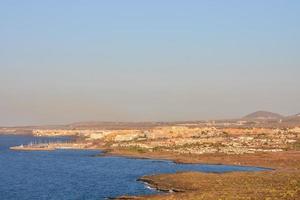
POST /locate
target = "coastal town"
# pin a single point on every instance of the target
(183, 138)
(259, 140)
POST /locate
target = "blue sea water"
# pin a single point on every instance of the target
(79, 174)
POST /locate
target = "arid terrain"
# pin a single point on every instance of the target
(260, 139)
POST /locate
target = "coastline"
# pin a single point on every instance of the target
(271, 160)
(284, 170)
(285, 165)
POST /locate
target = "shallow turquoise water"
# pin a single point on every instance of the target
(77, 174)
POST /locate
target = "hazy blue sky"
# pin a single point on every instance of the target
(63, 61)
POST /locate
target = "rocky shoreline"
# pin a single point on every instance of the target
(285, 171)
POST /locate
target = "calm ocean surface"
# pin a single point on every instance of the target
(77, 174)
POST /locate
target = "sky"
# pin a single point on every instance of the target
(64, 61)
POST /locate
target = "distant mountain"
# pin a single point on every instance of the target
(116, 125)
(263, 115)
(293, 118)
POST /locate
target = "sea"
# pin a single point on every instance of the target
(80, 174)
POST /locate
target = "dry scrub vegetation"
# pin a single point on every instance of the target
(230, 186)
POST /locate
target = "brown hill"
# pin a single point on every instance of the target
(263, 115)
